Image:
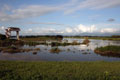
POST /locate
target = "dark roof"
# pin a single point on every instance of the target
(14, 28)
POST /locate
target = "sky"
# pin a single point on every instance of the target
(61, 17)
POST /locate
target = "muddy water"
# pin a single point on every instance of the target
(68, 53)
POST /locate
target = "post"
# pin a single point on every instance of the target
(8, 33)
(17, 35)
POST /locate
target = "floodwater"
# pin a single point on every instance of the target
(68, 53)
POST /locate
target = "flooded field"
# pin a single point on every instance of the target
(65, 53)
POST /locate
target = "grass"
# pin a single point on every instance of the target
(44, 38)
(18, 70)
(111, 50)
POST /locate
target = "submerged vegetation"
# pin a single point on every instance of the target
(13, 49)
(17, 70)
(9, 42)
(86, 41)
(55, 50)
(111, 50)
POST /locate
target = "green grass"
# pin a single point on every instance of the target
(106, 38)
(40, 39)
(110, 51)
(18, 70)
(110, 48)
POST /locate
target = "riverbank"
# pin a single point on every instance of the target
(19, 70)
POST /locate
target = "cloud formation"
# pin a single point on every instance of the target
(74, 30)
(109, 30)
(85, 29)
(40, 10)
(27, 12)
(2, 29)
(93, 4)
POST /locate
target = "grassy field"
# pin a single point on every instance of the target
(18, 70)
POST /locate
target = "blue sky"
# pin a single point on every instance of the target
(65, 17)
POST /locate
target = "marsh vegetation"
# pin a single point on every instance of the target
(13, 49)
(67, 49)
(73, 49)
(111, 50)
(19, 70)
(114, 37)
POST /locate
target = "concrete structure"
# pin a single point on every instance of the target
(9, 29)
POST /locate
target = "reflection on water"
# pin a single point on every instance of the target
(66, 53)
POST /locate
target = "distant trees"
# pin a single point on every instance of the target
(45, 37)
(34, 36)
(115, 36)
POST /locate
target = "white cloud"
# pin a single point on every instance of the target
(74, 30)
(40, 10)
(27, 12)
(93, 4)
(109, 30)
(79, 29)
(82, 28)
(69, 30)
(41, 31)
(30, 30)
(2, 29)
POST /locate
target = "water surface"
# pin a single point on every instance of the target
(68, 53)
